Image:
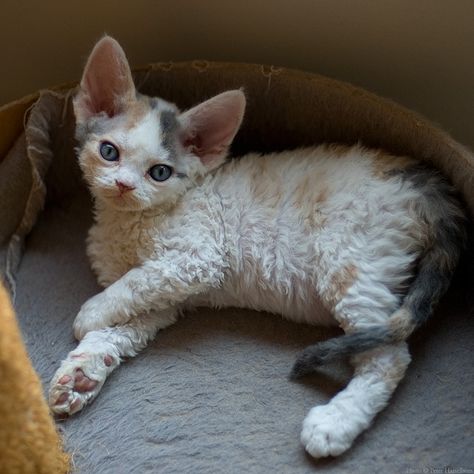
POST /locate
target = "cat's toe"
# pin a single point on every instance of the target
(327, 432)
(67, 403)
(82, 383)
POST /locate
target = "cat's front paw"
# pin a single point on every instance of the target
(328, 432)
(97, 313)
(78, 381)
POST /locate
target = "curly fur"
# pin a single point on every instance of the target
(326, 235)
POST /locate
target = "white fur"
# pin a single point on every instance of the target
(264, 232)
(316, 235)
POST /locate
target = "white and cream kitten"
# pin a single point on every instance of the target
(324, 235)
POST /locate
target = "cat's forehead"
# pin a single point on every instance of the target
(148, 126)
(155, 130)
(146, 122)
(152, 112)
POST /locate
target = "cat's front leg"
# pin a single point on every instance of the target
(105, 309)
(156, 285)
(130, 295)
(82, 374)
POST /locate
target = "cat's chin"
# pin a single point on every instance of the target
(119, 203)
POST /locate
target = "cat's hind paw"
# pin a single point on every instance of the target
(78, 381)
(327, 431)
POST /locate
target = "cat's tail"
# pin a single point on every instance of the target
(435, 269)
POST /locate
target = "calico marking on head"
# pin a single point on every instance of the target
(159, 152)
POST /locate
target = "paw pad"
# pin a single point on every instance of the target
(65, 379)
(62, 398)
(82, 383)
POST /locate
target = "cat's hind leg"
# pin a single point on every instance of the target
(329, 430)
(363, 302)
(82, 374)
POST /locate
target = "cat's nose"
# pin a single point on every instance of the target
(124, 187)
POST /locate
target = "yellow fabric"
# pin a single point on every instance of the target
(29, 442)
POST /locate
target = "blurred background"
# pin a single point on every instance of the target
(419, 53)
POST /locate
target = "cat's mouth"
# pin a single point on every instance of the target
(120, 200)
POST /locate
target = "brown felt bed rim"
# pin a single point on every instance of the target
(337, 110)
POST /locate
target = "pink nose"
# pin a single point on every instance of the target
(123, 187)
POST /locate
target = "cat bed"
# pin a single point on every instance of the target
(211, 393)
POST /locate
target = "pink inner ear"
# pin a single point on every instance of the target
(100, 98)
(210, 127)
(107, 81)
(208, 139)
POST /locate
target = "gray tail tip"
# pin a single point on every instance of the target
(309, 360)
(339, 347)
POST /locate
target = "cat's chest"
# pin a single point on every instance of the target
(118, 243)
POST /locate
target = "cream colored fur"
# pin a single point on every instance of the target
(319, 235)
(248, 236)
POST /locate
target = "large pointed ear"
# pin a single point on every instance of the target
(209, 128)
(106, 84)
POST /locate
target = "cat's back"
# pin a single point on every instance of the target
(329, 196)
(323, 178)
(296, 218)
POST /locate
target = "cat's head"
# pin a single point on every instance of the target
(138, 152)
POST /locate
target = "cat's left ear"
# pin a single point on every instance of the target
(209, 128)
(107, 84)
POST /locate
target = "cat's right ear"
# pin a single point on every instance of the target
(209, 128)
(107, 84)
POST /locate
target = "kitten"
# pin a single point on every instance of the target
(325, 235)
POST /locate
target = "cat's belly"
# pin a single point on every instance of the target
(297, 301)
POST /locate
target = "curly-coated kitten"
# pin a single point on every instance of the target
(325, 235)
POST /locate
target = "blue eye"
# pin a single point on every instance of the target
(108, 151)
(160, 172)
